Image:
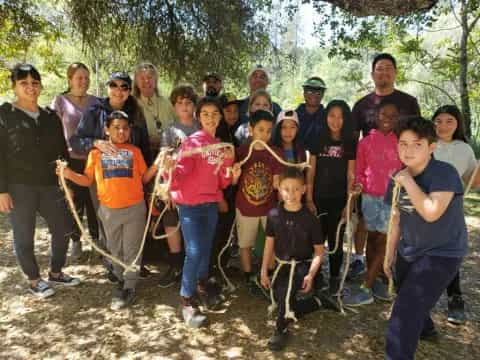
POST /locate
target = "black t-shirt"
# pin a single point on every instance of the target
(331, 167)
(364, 112)
(295, 233)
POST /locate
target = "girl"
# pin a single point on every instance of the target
(196, 190)
(70, 106)
(260, 100)
(331, 173)
(453, 148)
(377, 160)
(31, 139)
(286, 133)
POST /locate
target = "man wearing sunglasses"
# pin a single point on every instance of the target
(311, 112)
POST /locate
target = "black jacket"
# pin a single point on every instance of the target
(92, 127)
(28, 149)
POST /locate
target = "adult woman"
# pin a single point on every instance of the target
(70, 106)
(453, 148)
(30, 141)
(157, 109)
(91, 129)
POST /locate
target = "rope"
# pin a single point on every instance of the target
(472, 178)
(289, 314)
(395, 196)
(230, 286)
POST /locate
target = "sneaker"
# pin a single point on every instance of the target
(170, 278)
(256, 289)
(278, 341)
(326, 300)
(144, 272)
(191, 314)
(431, 335)
(118, 299)
(210, 294)
(42, 289)
(356, 269)
(63, 279)
(111, 276)
(380, 290)
(456, 310)
(76, 250)
(362, 296)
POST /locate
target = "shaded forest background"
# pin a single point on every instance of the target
(438, 49)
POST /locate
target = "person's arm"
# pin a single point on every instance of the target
(314, 266)
(267, 258)
(6, 203)
(430, 206)
(310, 184)
(225, 173)
(350, 175)
(150, 173)
(79, 179)
(360, 165)
(392, 244)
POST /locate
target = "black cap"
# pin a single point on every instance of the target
(214, 75)
(122, 76)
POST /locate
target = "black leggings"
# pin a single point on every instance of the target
(333, 207)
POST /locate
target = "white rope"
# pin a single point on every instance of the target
(393, 208)
(230, 286)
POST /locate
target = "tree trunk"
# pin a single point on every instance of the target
(383, 7)
(463, 60)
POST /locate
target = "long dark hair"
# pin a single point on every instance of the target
(222, 130)
(21, 71)
(453, 110)
(346, 133)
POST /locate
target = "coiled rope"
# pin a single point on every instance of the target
(393, 208)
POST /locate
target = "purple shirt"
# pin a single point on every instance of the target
(70, 115)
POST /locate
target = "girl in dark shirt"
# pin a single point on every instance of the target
(331, 175)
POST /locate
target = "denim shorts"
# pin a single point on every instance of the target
(376, 213)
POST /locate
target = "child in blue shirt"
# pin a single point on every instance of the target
(428, 234)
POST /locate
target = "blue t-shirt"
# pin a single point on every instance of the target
(446, 236)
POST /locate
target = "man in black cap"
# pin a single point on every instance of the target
(212, 84)
(312, 111)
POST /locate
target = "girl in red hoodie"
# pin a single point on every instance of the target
(196, 189)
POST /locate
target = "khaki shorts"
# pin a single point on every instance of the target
(247, 228)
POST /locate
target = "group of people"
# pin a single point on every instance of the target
(244, 163)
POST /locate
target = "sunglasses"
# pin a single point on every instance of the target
(289, 113)
(313, 91)
(123, 87)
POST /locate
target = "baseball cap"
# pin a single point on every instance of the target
(288, 115)
(212, 74)
(121, 76)
(229, 98)
(314, 83)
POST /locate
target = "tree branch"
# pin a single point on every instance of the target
(435, 87)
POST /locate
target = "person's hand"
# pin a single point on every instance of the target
(265, 280)
(105, 147)
(311, 206)
(229, 153)
(403, 176)
(67, 172)
(223, 206)
(387, 265)
(307, 283)
(6, 203)
(356, 189)
(236, 171)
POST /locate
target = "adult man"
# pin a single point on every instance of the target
(212, 84)
(257, 79)
(312, 111)
(364, 116)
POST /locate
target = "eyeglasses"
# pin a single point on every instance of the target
(123, 87)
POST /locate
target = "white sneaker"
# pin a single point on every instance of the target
(42, 289)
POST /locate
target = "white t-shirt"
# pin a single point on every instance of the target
(459, 154)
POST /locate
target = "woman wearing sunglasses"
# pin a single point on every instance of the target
(90, 132)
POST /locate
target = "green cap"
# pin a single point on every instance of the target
(315, 83)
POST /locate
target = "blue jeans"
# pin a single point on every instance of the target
(198, 225)
(49, 202)
(419, 286)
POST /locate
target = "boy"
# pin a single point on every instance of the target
(184, 100)
(293, 234)
(120, 178)
(429, 233)
(256, 194)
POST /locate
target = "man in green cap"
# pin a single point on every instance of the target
(312, 111)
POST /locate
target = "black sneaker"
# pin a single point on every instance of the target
(170, 278)
(42, 289)
(278, 341)
(63, 279)
(256, 289)
(356, 269)
(191, 315)
(210, 294)
(144, 272)
(111, 276)
(456, 310)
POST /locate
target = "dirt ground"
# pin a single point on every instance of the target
(77, 323)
